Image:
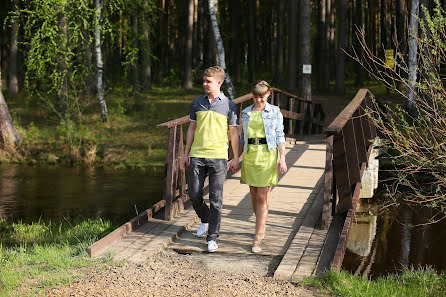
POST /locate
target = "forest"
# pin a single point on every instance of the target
(64, 49)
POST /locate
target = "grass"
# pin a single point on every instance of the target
(130, 139)
(415, 282)
(39, 256)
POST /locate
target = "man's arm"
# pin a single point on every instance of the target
(189, 140)
(234, 165)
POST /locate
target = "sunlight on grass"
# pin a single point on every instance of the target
(42, 255)
(415, 282)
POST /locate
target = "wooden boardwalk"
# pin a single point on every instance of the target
(291, 230)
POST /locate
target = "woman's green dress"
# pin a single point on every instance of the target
(259, 166)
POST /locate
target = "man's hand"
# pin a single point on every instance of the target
(186, 161)
(234, 165)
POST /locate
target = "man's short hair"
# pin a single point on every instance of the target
(215, 71)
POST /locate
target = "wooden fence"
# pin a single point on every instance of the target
(349, 143)
(300, 117)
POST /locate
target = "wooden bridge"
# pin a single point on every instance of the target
(310, 210)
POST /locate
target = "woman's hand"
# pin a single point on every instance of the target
(282, 166)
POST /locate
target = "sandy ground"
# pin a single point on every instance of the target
(198, 274)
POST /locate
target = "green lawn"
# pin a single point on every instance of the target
(39, 256)
(130, 139)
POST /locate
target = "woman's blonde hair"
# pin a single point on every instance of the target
(260, 88)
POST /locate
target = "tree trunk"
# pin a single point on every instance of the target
(99, 64)
(135, 68)
(292, 59)
(358, 26)
(187, 83)
(13, 88)
(426, 58)
(146, 79)
(401, 17)
(212, 52)
(331, 17)
(342, 44)
(9, 136)
(220, 48)
(4, 57)
(305, 45)
(162, 37)
(384, 24)
(279, 43)
(252, 40)
(234, 7)
(413, 52)
(324, 55)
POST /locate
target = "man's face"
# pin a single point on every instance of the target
(211, 84)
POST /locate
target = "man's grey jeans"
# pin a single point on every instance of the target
(216, 169)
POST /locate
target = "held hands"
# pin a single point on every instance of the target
(282, 166)
(234, 165)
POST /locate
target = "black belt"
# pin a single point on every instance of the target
(257, 140)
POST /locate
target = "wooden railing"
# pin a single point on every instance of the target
(300, 117)
(349, 143)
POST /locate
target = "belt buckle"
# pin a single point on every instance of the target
(256, 141)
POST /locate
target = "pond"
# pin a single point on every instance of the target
(390, 241)
(30, 193)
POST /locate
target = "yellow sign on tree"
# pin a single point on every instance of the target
(389, 58)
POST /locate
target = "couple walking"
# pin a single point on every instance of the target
(206, 152)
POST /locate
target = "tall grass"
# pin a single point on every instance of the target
(38, 256)
(415, 282)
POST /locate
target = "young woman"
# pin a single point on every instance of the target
(263, 142)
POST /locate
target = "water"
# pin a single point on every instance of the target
(391, 241)
(30, 193)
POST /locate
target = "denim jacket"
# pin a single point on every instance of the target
(272, 122)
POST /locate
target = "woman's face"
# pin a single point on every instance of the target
(260, 101)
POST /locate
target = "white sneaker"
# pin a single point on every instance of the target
(212, 246)
(202, 229)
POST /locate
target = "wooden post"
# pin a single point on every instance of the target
(290, 108)
(341, 174)
(182, 178)
(326, 208)
(169, 191)
(351, 153)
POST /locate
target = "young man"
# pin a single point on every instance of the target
(206, 151)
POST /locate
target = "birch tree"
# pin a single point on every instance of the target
(99, 64)
(412, 56)
(220, 49)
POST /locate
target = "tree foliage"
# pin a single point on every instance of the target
(416, 141)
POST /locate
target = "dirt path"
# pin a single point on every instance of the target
(198, 274)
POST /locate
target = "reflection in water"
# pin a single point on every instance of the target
(393, 241)
(30, 193)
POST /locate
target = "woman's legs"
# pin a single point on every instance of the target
(260, 205)
(253, 191)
